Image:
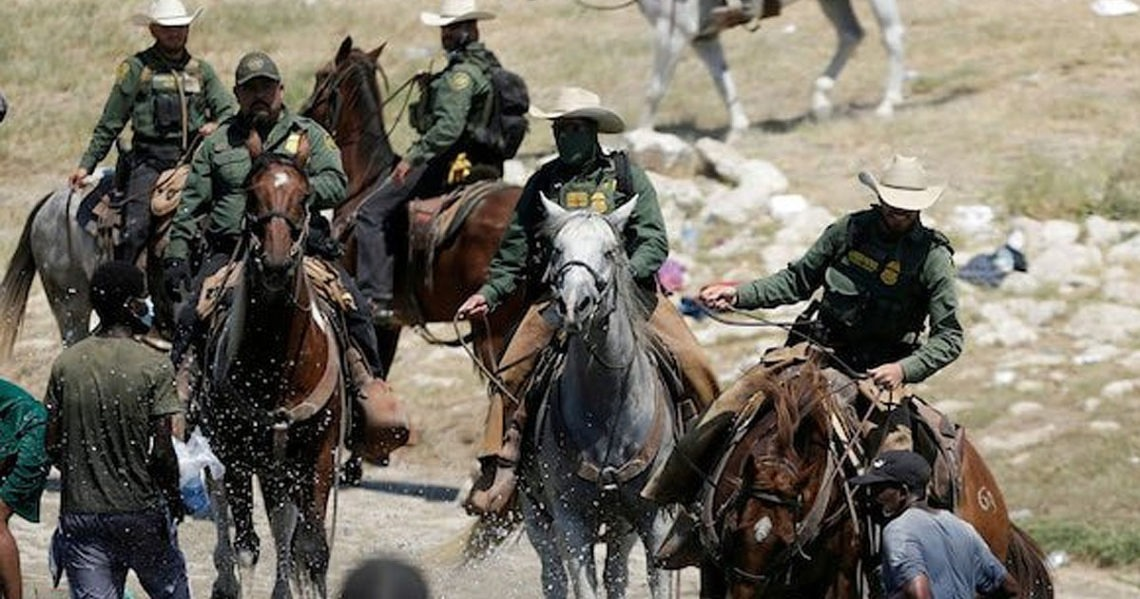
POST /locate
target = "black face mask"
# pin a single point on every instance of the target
(576, 147)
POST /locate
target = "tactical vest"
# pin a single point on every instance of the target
(872, 292)
(170, 104)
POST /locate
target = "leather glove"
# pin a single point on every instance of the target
(176, 272)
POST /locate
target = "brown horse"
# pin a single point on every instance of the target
(346, 100)
(274, 401)
(780, 520)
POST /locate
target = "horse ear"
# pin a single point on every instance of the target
(343, 52)
(304, 150)
(253, 144)
(618, 218)
(555, 214)
(375, 54)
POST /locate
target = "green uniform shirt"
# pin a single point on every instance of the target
(523, 253)
(878, 290)
(24, 463)
(105, 392)
(214, 196)
(454, 103)
(146, 93)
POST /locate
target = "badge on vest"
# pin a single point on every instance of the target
(292, 143)
(577, 199)
(598, 203)
(863, 261)
(890, 274)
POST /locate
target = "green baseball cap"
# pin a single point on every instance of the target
(254, 65)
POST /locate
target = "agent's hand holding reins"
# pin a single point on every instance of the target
(475, 306)
(887, 376)
(718, 296)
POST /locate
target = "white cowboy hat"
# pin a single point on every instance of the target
(455, 11)
(904, 185)
(578, 103)
(168, 13)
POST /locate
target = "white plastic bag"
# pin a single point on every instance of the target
(195, 459)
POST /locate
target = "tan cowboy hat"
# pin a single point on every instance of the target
(168, 13)
(455, 11)
(904, 185)
(578, 103)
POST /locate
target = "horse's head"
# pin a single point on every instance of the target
(346, 90)
(277, 215)
(588, 269)
(776, 521)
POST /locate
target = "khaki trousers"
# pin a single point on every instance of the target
(535, 333)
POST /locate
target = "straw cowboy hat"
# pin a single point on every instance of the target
(904, 185)
(168, 13)
(455, 11)
(578, 103)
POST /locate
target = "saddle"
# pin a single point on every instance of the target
(99, 215)
(322, 276)
(433, 223)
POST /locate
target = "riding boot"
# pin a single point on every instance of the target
(682, 545)
(498, 495)
(382, 424)
(733, 13)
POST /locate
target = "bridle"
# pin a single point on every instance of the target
(256, 223)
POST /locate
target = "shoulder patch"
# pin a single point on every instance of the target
(122, 72)
(459, 81)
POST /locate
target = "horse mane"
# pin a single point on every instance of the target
(790, 402)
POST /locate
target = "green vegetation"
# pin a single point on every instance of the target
(1104, 544)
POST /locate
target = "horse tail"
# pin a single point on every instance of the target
(1025, 561)
(481, 540)
(16, 284)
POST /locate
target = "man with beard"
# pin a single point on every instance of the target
(209, 221)
(170, 98)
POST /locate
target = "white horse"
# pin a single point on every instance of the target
(55, 246)
(677, 22)
(604, 423)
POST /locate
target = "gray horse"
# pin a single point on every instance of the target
(55, 246)
(679, 22)
(605, 420)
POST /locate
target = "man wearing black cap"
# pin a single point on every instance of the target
(210, 218)
(927, 552)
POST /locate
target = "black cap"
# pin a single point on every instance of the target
(254, 65)
(903, 467)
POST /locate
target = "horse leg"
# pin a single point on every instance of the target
(226, 585)
(615, 574)
(239, 491)
(310, 544)
(283, 520)
(577, 539)
(653, 530)
(711, 53)
(668, 41)
(849, 33)
(540, 531)
(891, 30)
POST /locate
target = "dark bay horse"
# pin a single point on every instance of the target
(346, 100)
(779, 519)
(606, 419)
(274, 400)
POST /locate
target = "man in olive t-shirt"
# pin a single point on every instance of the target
(110, 399)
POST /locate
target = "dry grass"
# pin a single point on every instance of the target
(1023, 105)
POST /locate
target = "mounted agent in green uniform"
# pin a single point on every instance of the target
(583, 177)
(170, 98)
(885, 278)
(453, 104)
(211, 217)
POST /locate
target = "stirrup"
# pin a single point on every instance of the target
(498, 496)
(681, 547)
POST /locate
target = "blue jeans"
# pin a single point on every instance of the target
(97, 550)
